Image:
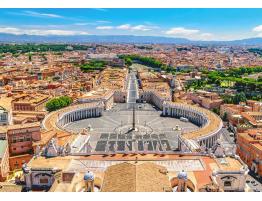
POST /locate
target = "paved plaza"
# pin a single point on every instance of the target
(114, 131)
(154, 132)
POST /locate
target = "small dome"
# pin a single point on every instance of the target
(182, 175)
(89, 176)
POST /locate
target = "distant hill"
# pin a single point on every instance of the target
(9, 38)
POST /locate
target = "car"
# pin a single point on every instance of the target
(255, 184)
(256, 190)
(247, 181)
(252, 182)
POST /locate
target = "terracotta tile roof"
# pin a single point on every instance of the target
(136, 177)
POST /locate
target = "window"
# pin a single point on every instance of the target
(43, 181)
(227, 183)
(16, 165)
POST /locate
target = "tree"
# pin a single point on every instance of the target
(216, 110)
(128, 61)
(240, 97)
(225, 117)
(30, 57)
(57, 103)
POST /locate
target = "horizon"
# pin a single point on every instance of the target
(191, 24)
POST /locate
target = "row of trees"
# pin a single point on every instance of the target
(148, 61)
(234, 99)
(93, 65)
(25, 48)
(240, 83)
(250, 88)
(57, 103)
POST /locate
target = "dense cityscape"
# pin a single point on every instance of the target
(130, 117)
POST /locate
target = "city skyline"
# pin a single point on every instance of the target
(194, 24)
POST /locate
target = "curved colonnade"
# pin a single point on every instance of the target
(210, 125)
(208, 133)
(58, 119)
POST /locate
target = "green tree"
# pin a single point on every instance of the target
(225, 118)
(240, 97)
(30, 57)
(57, 103)
(128, 61)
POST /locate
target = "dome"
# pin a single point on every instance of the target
(182, 175)
(89, 176)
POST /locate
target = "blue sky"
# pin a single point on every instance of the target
(199, 24)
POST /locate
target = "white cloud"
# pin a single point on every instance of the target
(104, 27)
(40, 32)
(141, 28)
(103, 21)
(124, 27)
(193, 34)
(98, 22)
(258, 28)
(37, 14)
(206, 35)
(135, 28)
(259, 35)
(181, 31)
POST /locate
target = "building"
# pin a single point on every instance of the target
(253, 118)
(243, 116)
(210, 125)
(249, 148)
(4, 160)
(205, 99)
(29, 102)
(21, 138)
(143, 173)
(4, 116)
(136, 177)
(5, 111)
(103, 95)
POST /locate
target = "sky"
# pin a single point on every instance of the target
(195, 24)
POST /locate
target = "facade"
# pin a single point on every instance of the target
(153, 97)
(29, 102)
(4, 116)
(249, 148)
(38, 179)
(4, 160)
(5, 111)
(16, 162)
(176, 173)
(21, 138)
(230, 180)
(209, 123)
(105, 96)
(81, 113)
(55, 121)
(205, 99)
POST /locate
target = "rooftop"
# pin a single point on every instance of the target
(136, 177)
